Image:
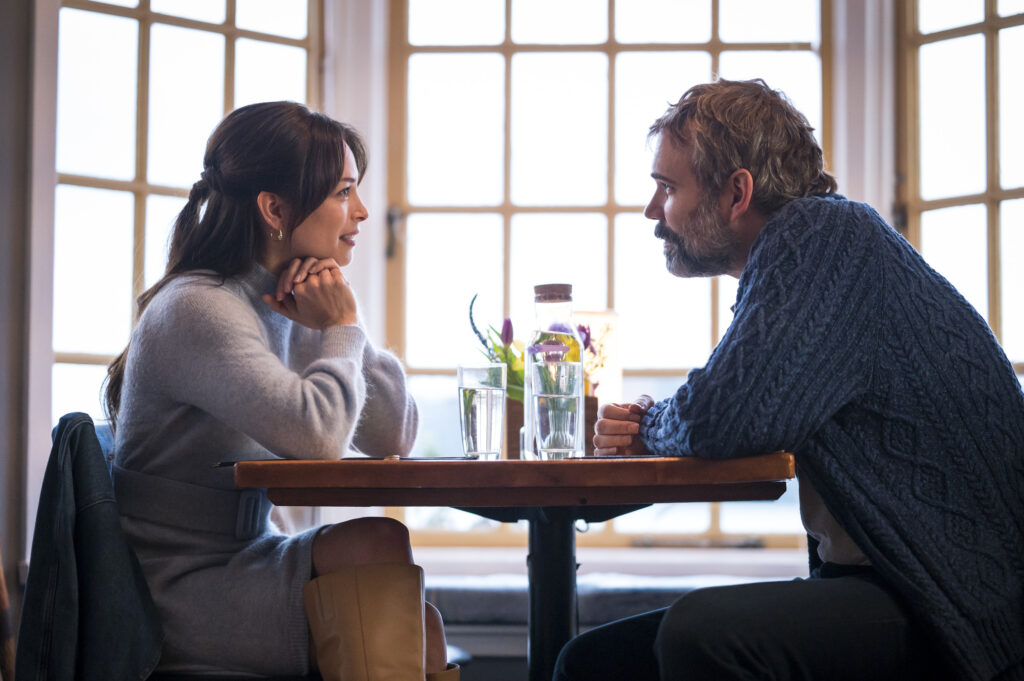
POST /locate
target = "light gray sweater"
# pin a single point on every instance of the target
(214, 375)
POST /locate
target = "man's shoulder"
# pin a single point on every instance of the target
(825, 218)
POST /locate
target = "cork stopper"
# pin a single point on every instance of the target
(547, 293)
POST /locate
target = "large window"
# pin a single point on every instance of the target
(141, 84)
(519, 156)
(962, 103)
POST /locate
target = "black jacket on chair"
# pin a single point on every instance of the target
(87, 613)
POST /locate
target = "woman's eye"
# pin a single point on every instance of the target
(344, 193)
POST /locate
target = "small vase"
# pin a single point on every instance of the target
(513, 424)
(589, 419)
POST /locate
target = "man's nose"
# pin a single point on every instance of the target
(653, 209)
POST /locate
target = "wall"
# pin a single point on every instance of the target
(15, 84)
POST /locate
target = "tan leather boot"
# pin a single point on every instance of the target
(451, 673)
(367, 623)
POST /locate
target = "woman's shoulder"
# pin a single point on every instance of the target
(197, 297)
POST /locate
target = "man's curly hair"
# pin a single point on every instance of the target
(746, 124)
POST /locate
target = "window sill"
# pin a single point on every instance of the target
(652, 562)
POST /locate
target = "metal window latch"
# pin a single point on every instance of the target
(395, 215)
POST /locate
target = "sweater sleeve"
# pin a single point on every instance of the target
(800, 345)
(389, 419)
(206, 347)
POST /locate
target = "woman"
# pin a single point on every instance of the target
(250, 347)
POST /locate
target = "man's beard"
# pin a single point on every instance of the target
(708, 249)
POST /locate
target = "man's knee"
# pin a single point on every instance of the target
(694, 635)
(568, 666)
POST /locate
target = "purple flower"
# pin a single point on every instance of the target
(585, 337)
(559, 327)
(506, 332)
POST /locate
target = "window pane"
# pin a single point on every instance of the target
(727, 287)
(286, 18)
(1008, 7)
(78, 387)
(1011, 107)
(1011, 246)
(952, 66)
(267, 72)
(657, 387)
(96, 92)
(559, 22)
(797, 74)
(662, 21)
(186, 101)
(666, 519)
(451, 519)
(438, 286)
(642, 93)
(780, 21)
(443, 110)
(481, 22)
(938, 15)
(559, 124)
(161, 211)
(644, 290)
(92, 270)
(201, 10)
(439, 415)
(552, 248)
(781, 516)
(954, 242)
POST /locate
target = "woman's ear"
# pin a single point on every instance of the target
(273, 209)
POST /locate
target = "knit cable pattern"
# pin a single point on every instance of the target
(901, 408)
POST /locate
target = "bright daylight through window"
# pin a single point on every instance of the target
(139, 89)
(523, 131)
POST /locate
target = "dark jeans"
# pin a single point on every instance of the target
(824, 628)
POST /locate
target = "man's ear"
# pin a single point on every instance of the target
(273, 209)
(738, 192)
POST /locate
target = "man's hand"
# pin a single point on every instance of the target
(617, 428)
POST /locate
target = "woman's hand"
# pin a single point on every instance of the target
(314, 293)
(618, 427)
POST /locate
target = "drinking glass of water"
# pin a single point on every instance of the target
(482, 409)
(558, 416)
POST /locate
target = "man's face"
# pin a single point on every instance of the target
(698, 241)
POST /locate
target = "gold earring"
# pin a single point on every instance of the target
(279, 236)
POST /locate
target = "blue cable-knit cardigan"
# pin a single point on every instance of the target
(848, 350)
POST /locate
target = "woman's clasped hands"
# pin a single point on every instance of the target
(314, 293)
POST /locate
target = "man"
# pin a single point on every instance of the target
(903, 413)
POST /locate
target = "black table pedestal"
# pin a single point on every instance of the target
(551, 566)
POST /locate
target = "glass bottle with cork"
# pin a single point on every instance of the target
(553, 412)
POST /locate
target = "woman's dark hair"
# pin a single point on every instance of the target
(278, 147)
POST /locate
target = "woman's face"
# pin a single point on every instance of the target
(331, 229)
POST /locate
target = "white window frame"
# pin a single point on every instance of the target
(355, 69)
